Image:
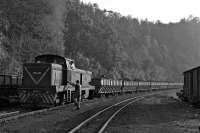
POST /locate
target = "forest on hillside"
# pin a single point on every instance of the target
(102, 41)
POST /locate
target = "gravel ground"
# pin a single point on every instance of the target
(158, 114)
(59, 121)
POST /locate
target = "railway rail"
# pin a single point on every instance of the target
(99, 121)
(5, 117)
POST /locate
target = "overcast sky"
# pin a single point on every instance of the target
(164, 10)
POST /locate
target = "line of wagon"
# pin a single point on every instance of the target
(44, 83)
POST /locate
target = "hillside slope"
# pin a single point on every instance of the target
(102, 41)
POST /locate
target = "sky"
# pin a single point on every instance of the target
(164, 10)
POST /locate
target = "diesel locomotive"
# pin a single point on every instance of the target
(44, 82)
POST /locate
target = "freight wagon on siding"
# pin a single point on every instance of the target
(191, 88)
(8, 88)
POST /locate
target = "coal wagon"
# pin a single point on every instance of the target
(9, 83)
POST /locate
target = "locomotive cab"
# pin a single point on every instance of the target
(67, 64)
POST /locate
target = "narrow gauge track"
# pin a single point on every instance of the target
(99, 121)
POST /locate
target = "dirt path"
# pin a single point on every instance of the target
(159, 114)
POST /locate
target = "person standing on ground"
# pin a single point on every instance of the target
(77, 97)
